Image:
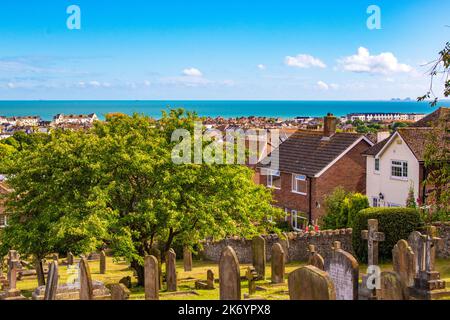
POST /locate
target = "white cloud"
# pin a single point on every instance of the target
(384, 63)
(304, 61)
(334, 86)
(322, 85)
(147, 83)
(261, 67)
(192, 72)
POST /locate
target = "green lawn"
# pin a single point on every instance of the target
(186, 280)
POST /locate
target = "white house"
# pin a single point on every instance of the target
(396, 164)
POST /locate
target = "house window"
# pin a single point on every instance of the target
(399, 169)
(294, 220)
(377, 165)
(274, 179)
(299, 184)
(375, 202)
(2, 220)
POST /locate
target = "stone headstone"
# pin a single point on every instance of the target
(315, 259)
(119, 292)
(284, 241)
(151, 278)
(343, 270)
(251, 276)
(373, 237)
(404, 262)
(86, 288)
(210, 279)
(71, 291)
(171, 271)
(229, 275)
(52, 281)
(187, 259)
(259, 256)
(392, 287)
(126, 281)
(310, 283)
(157, 254)
(414, 241)
(278, 265)
(13, 265)
(102, 262)
(70, 258)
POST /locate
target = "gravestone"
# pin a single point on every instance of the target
(119, 292)
(151, 278)
(102, 262)
(278, 266)
(71, 291)
(210, 279)
(187, 259)
(404, 262)
(157, 254)
(259, 256)
(70, 258)
(55, 257)
(343, 270)
(52, 281)
(284, 241)
(315, 259)
(171, 271)
(392, 287)
(13, 265)
(373, 237)
(251, 276)
(428, 284)
(86, 288)
(414, 241)
(126, 281)
(229, 275)
(310, 283)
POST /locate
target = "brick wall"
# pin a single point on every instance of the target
(297, 245)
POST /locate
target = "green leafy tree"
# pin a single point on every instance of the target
(410, 200)
(333, 209)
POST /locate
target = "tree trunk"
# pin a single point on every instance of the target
(139, 272)
(40, 272)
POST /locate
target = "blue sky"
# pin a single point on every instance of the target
(302, 50)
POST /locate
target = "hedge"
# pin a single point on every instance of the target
(396, 223)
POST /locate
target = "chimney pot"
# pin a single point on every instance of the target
(329, 125)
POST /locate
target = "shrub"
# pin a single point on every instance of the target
(396, 223)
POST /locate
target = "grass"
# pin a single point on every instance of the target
(186, 280)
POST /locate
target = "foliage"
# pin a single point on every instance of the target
(396, 223)
(117, 185)
(411, 201)
(341, 207)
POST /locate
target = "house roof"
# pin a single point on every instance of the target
(432, 118)
(373, 150)
(306, 152)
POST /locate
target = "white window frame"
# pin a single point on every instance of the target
(5, 223)
(375, 162)
(270, 174)
(295, 178)
(294, 220)
(401, 166)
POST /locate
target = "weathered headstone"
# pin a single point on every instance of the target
(251, 276)
(171, 271)
(151, 278)
(102, 262)
(126, 281)
(119, 292)
(229, 275)
(343, 270)
(415, 241)
(259, 256)
(278, 266)
(403, 261)
(187, 259)
(210, 279)
(157, 254)
(13, 265)
(310, 283)
(373, 237)
(392, 287)
(284, 241)
(52, 281)
(86, 288)
(70, 258)
(315, 259)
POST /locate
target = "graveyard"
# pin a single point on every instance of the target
(339, 276)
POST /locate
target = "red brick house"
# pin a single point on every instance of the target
(310, 165)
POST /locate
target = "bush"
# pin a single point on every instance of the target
(396, 223)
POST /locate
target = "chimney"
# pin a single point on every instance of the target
(329, 125)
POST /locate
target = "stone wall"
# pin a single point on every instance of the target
(444, 233)
(296, 245)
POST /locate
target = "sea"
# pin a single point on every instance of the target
(46, 109)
